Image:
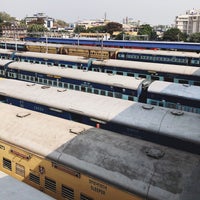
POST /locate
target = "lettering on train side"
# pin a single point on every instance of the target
(97, 187)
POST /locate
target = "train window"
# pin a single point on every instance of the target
(170, 105)
(65, 85)
(37, 62)
(54, 83)
(183, 81)
(62, 65)
(83, 88)
(71, 86)
(130, 74)
(96, 91)
(84, 197)
(142, 76)
(50, 82)
(119, 73)
(60, 84)
(76, 87)
(31, 61)
(102, 92)
(110, 94)
(130, 98)
(155, 77)
(48, 63)
(45, 81)
(109, 71)
(89, 90)
(67, 192)
(35, 179)
(42, 62)
(70, 66)
(20, 170)
(50, 184)
(197, 83)
(7, 164)
(32, 78)
(169, 79)
(118, 95)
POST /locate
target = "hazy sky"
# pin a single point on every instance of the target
(147, 11)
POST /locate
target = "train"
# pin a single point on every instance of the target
(161, 125)
(150, 71)
(86, 81)
(154, 56)
(13, 189)
(69, 160)
(174, 95)
(183, 46)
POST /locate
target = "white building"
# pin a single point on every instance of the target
(190, 22)
(48, 21)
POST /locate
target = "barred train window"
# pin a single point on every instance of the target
(50, 184)
(67, 193)
(35, 179)
(83, 197)
(7, 164)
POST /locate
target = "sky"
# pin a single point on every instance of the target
(153, 12)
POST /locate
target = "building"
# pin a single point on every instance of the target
(14, 32)
(48, 21)
(189, 22)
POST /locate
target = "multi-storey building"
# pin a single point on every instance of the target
(48, 21)
(190, 22)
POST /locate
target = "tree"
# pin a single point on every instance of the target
(35, 29)
(113, 26)
(6, 17)
(174, 34)
(61, 23)
(97, 29)
(80, 29)
(147, 30)
(195, 37)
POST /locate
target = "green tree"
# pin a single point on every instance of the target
(61, 23)
(79, 29)
(122, 36)
(147, 30)
(6, 17)
(174, 34)
(97, 29)
(113, 26)
(34, 30)
(195, 37)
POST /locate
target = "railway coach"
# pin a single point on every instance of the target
(165, 126)
(150, 71)
(69, 160)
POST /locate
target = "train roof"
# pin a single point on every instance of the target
(175, 89)
(160, 121)
(54, 56)
(161, 52)
(156, 67)
(140, 167)
(12, 189)
(90, 76)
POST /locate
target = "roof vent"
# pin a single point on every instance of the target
(30, 84)
(77, 130)
(61, 90)
(177, 112)
(23, 114)
(147, 107)
(155, 153)
(45, 87)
